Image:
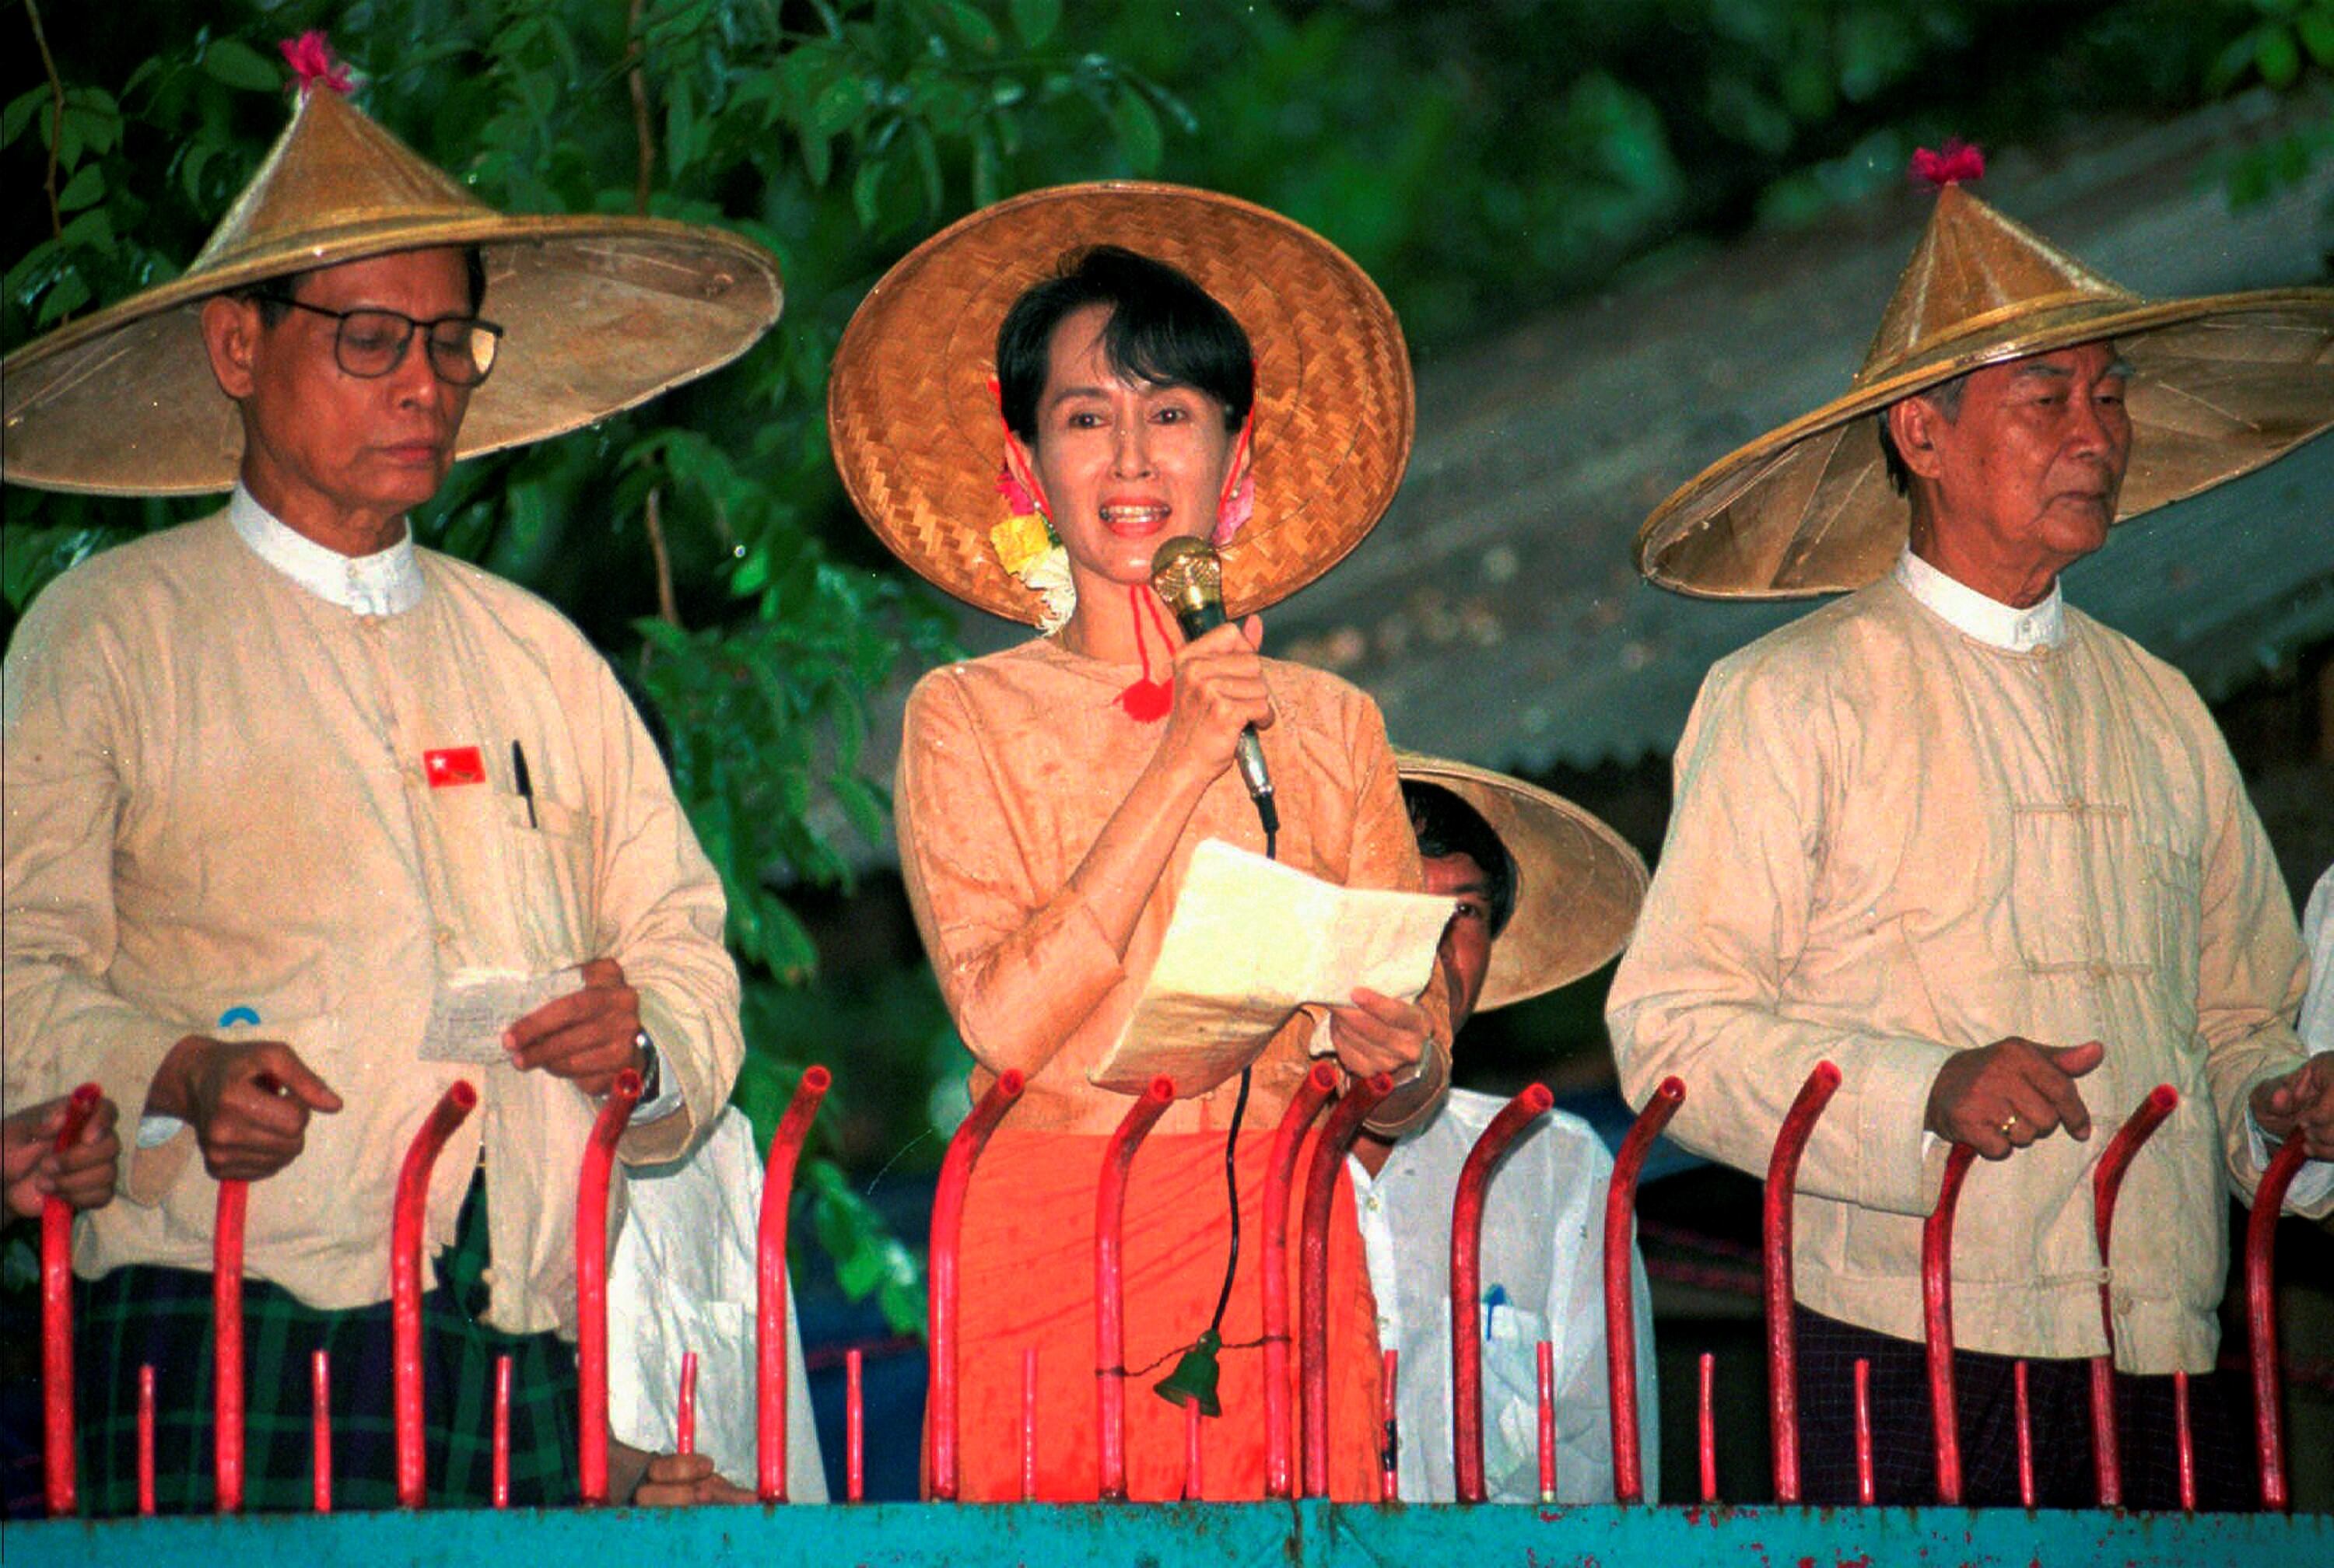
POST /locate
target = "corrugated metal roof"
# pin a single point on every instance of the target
(1495, 615)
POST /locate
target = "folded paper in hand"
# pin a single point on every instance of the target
(1250, 942)
(474, 1007)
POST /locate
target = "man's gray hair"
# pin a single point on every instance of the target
(1946, 397)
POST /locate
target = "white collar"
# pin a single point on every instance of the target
(1989, 620)
(386, 582)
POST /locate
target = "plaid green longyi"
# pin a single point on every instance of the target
(162, 1316)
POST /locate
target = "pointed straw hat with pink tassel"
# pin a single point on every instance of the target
(600, 311)
(2219, 386)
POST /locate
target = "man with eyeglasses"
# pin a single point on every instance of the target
(283, 788)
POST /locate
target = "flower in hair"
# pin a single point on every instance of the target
(1027, 547)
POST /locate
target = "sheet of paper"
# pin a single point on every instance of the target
(474, 1007)
(1252, 941)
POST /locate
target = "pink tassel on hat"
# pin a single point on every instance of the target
(1959, 161)
(310, 55)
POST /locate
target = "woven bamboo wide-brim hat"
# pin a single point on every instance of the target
(600, 313)
(1578, 884)
(915, 428)
(2219, 386)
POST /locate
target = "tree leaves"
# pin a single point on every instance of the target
(238, 64)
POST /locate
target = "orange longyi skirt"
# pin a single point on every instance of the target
(1026, 1278)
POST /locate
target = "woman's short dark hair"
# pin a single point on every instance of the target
(1446, 824)
(1164, 331)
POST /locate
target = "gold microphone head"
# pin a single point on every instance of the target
(1188, 574)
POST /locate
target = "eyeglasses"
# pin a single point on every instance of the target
(370, 343)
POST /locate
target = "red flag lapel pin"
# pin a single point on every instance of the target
(454, 764)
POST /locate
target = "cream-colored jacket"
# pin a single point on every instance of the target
(1892, 842)
(215, 799)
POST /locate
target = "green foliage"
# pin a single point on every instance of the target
(834, 133)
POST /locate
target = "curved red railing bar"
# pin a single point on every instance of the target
(2106, 1182)
(592, 1287)
(1110, 1301)
(939, 1283)
(1620, 1309)
(684, 1410)
(1280, 1176)
(56, 1319)
(1937, 1318)
(1466, 1284)
(770, 1283)
(1389, 1426)
(2261, 1318)
(227, 1345)
(854, 1426)
(405, 1281)
(1337, 1134)
(1782, 1347)
(320, 1430)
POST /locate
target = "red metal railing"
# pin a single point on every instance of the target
(592, 1286)
(1389, 1426)
(1937, 1315)
(2261, 1317)
(146, 1444)
(405, 1283)
(770, 1283)
(1345, 1124)
(1279, 1175)
(320, 1430)
(1110, 1326)
(684, 1409)
(2106, 1182)
(854, 1426)
(940, 1283)
(1620, 1310)
(1466, 1284)
(227, 1345)
(1782, 1351)
(56, 1318)
(499, 1480)
(1544, 1358)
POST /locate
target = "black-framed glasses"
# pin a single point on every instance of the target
(370, 343)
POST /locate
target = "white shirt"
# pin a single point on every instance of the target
(2044, 625)
(1990, 621)
(682, 1278)
(1543, 1277)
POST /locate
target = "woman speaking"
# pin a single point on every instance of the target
(1025, 409)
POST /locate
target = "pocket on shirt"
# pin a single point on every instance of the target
(2170, 910)
(549, 861)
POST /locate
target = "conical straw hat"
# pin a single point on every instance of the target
(916, 433)
(1578, 884)
(600, 314)
(2220, 385)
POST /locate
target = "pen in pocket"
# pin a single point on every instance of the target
(524, 784)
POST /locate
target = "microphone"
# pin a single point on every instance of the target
(1188, 574)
